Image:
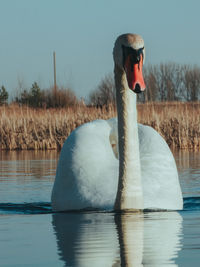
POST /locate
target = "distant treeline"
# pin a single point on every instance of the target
(49, 98)
(37, 98)
(172, 82)
(164, 82)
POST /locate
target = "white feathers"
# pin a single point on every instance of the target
(87, 172)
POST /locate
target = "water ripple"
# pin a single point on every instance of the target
(26, 208)
(190, 203)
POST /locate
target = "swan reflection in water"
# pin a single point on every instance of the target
(126, 239)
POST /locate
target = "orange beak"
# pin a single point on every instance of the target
(134, 75)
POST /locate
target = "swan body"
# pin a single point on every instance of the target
(118, 163)
(88, 169)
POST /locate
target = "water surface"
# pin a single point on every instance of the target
(31, 235)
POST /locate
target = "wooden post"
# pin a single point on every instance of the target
(54, 68)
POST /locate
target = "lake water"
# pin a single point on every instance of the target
(31, 235)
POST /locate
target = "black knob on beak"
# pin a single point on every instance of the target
(137, 88)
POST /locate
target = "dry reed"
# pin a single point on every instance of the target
(177, 122)
(26, 128)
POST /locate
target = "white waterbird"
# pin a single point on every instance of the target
(118, 163)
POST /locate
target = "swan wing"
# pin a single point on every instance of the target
(160, 180)
(87, 171)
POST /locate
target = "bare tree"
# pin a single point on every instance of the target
(172, 82)
(164, 82)
(192, 83)
(105, 92)
(151, 80)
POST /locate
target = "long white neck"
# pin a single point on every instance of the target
(129, 194)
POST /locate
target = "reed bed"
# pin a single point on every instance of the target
(177, 122)
(24, 128)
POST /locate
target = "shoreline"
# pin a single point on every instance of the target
(25, 128)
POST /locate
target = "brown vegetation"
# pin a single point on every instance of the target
(49, 98)
(177, 122)
(28, 128)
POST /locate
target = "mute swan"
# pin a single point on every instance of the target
(139, 172)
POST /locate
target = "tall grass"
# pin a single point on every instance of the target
(28, 128)
(177, 122)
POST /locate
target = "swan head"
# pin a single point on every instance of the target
(129, 55)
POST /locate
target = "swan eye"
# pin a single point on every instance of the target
(134, 54)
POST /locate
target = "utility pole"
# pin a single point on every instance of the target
(54, 68)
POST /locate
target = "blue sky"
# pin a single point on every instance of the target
(82, 32)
